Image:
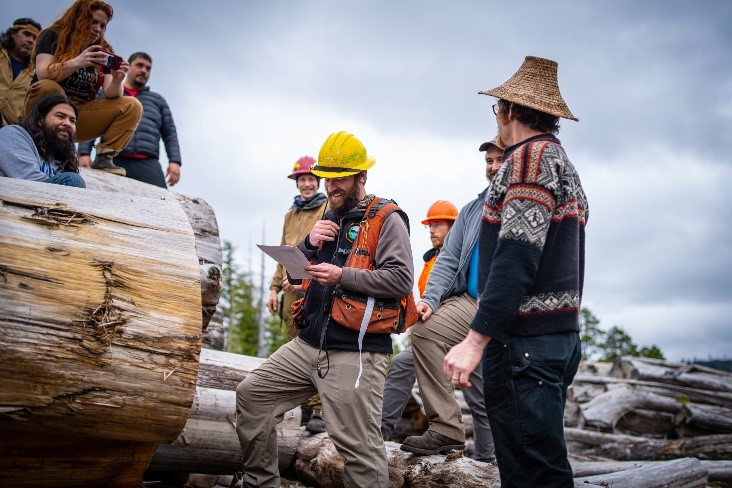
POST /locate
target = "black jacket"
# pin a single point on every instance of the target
(156, 123)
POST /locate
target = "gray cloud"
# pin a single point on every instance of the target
(254, 85)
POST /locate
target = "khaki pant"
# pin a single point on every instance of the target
(313, 403)
(431, 340)
(288, 378)
(114, 118)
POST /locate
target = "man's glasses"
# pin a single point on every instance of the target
(495, 108)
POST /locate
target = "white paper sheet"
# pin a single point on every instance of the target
(291, 258)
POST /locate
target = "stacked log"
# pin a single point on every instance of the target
(652, 398)
(598, 458)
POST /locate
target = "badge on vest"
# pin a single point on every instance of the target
(352, 232)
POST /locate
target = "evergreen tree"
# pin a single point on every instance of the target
(276, 333)
(598, 344)
(591, 335)
(653, 352)
(238, 306)
(618, 343)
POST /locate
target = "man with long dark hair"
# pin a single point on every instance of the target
(42, 147)
(16, 45)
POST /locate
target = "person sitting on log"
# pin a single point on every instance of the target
(42, 148)
(73, 58)
(361, 291)
(16, 46)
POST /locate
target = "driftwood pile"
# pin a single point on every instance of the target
(638, 422)
(637, 412)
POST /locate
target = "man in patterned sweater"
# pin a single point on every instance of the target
(531, 270)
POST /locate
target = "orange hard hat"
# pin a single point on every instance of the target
(441, 210)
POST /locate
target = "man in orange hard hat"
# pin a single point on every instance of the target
(440, 217)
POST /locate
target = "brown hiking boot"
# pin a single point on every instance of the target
(104, 162)
(431, 443)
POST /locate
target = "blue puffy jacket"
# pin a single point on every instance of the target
(156, 123)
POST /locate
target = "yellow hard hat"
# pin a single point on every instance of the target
(342, 154)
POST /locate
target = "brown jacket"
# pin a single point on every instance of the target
(12, 91)
(298, 223)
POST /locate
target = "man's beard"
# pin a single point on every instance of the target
(139, 84)
(349, 200)
(62, 150)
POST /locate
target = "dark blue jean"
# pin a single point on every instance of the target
(525, 384)
(67, 179)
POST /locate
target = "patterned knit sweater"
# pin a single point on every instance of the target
(532, 244)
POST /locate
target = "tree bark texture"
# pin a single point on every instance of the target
(205, 228)
(100, 321)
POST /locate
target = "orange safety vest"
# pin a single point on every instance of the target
(428, 265)
(349, 308)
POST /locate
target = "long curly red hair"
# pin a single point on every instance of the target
(73, 33)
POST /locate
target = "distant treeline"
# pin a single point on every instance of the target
(721, 364)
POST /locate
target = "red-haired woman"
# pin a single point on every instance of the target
(72, 58)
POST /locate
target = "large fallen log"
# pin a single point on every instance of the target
(704, 419)
(718, 470)
(679, 473)
(208, 442)
(690, 375)
(605, 411)
(630, 448)
(205, 229)
(584, 388)
(100, 327)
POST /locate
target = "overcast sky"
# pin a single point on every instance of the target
(253, 85)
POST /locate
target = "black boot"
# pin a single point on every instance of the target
(104, 162)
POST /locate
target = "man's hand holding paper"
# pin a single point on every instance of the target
(291, 258)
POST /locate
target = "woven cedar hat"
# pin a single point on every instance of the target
(535, 86)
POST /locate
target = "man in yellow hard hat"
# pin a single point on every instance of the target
(531, 275)
(361, 290)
